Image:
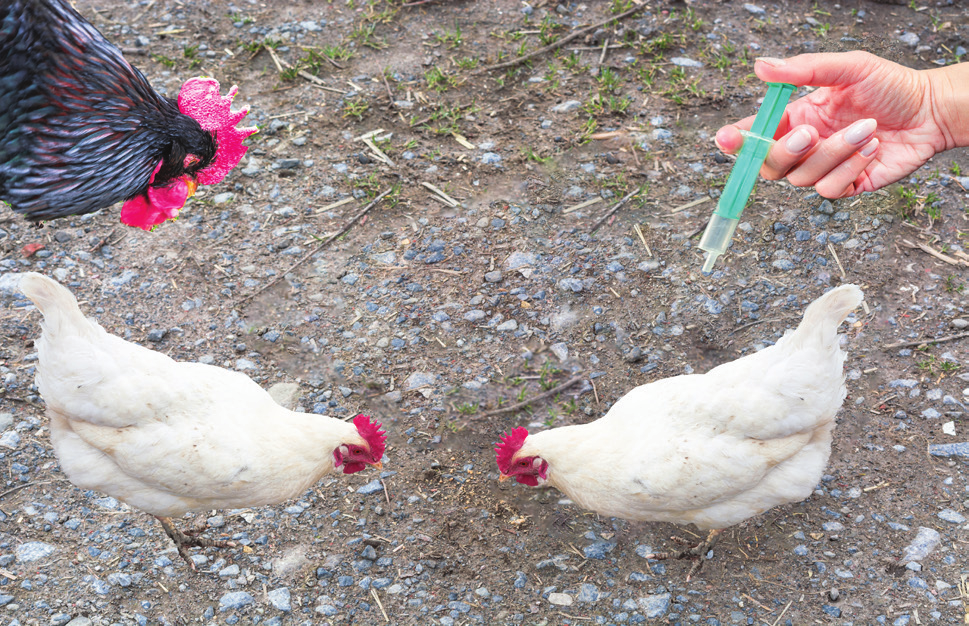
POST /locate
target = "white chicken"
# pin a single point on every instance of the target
(709, 449)
(169, 437)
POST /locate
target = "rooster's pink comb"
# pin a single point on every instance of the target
(510, 444)
(200, 99)
(372, 434)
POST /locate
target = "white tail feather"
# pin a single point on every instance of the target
(56, 302)
(824, 315)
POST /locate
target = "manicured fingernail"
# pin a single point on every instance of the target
(860, 131)
(773, 62)
(869, 148)
(799, 141)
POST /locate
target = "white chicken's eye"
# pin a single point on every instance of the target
(524, 463)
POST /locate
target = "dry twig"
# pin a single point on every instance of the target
(306, 257)
(612, 211)
(927, 340)
(541, 396)
(561, 42)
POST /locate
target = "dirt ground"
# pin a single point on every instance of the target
(433, 311)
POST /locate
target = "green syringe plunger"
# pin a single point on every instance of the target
(716, 238)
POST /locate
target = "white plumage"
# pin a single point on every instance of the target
(169, 437)
(709, 449)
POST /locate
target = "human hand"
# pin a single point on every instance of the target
(870, 123)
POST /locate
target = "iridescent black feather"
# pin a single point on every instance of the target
(80, 128)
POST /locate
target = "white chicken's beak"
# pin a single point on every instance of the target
(378, 465)
(503, 478)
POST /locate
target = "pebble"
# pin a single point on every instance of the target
(655, 605)
(280, 599)
(33, 551)
(950, 449)
(560, 599)
(598, 549)
(371, 488)
(954, 517)
(566, 107)
(925, 542)
(235, 600)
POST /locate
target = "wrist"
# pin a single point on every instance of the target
(948, 99)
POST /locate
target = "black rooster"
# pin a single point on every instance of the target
(81, 129)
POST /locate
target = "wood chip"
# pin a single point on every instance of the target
(582, 205)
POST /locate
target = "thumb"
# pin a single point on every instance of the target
(817, 70)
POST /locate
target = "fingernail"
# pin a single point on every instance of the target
(860, 131)
(869, 148)
(773, 62)
(799, 141)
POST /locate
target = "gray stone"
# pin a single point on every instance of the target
(33, 551)
(950, 449)
(235, 600)
(951, 516)
(925, 542)
(560, 599)
(374, 486)
(418, 380)
(655, 605)
(280, 599)
(566, 107)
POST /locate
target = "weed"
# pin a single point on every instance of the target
(355, 107)
(164, 60)
(546, 373)
(955, 169)
(467, 63)
(531, 155)
(468, 408)
(451, 39)
(952, 285)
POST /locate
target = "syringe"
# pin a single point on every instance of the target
(716, 238)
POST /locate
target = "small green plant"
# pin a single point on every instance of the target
(618, 105)
(952, 285)
(552, 417)
(821, 29)
(337, 53)
(451, 39)
(468, 408)
(546, 376)
(531, 155)
(571, 62)
(934, 366)
(164, 60)
(609, 80)
(438, 80)
(355, 107)
(955, 169)
(365, 36)
(467, 63)
(570, 407)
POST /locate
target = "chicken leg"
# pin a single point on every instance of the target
(694, 552)
(182, 540)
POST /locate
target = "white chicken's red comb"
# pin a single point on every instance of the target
(509, 445)
(372, 434)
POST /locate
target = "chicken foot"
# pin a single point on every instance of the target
(695, 552)
(190, 539)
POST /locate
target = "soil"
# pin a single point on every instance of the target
(381, 319)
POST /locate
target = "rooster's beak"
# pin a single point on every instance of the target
(192, 185)
(503, 478)
(378, 465)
